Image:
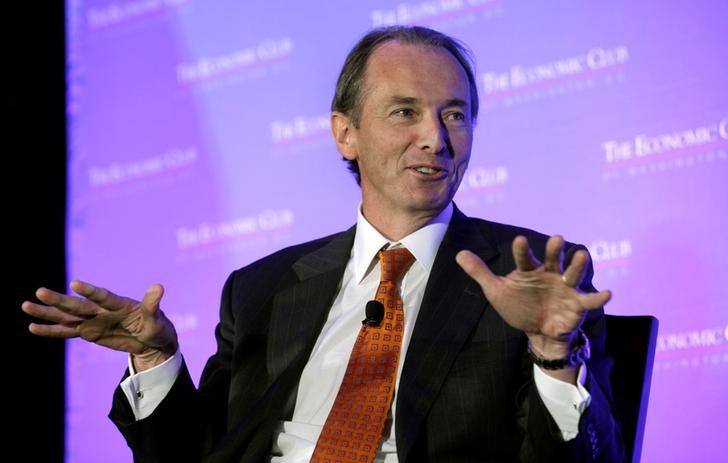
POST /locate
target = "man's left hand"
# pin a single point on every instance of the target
(540, 299)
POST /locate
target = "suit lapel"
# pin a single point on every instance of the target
(299, 310)
(452, 305)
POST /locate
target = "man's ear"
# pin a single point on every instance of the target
(344, 135)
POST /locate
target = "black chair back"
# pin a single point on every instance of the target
(631, 340)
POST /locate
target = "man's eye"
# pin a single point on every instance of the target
(403, 112)
(456, 116)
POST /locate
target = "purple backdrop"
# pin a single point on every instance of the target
(199, 141)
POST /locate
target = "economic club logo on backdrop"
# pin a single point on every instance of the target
(300, 128)
(427, 13)
(118, 173)
(525, 79)
(694, 348)
(117, 13)
(264, 53)
(646, 153)
(205, 233)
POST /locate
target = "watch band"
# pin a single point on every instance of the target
(579, 355)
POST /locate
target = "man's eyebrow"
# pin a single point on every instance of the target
(410, 100)
(456, 102)
(396, 99)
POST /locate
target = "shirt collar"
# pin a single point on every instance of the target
(423, 243)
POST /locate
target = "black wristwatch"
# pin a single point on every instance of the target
(579, 355)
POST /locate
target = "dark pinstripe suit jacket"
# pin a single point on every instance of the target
(465, 394)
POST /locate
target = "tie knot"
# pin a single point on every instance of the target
(394, 263)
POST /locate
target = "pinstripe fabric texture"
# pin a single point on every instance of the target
(465, 394)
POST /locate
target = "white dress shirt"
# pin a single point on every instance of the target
(294, 440)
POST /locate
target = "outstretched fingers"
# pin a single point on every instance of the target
(50, 313)
(71, 305)
(476, 268)
(554, 254)
(53, 331)
(101, 296)
(152, 298)
(522, 255)
(596, 300)
(574, 273)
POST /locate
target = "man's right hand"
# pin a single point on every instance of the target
(102, 317)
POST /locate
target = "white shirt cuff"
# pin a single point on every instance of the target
(563, 400)
(146, 390)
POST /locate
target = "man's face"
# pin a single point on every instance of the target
(415, 133)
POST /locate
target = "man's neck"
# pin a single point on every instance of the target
(395, 226)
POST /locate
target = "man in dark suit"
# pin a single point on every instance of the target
(495, 361)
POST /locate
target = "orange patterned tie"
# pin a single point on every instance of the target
(355, 423)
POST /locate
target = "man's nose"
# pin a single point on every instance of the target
(432, 135)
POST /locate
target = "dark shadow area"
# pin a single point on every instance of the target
(35, 198)
(632, 341)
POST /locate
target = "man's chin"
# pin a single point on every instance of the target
(431, 206)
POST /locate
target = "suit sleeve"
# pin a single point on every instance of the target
(188, 421)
